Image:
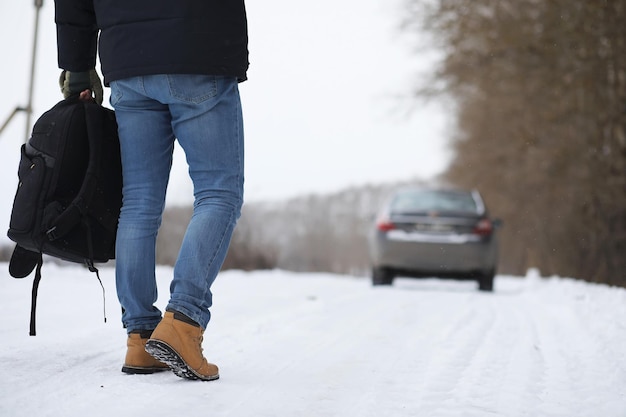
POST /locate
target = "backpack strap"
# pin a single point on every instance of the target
(92, 267)
(76, 210)
(33, 300)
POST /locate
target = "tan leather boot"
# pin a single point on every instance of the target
(179, 345)
(138, 361)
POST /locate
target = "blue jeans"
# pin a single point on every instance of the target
(204, 114)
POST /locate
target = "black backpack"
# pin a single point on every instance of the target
(70, 191)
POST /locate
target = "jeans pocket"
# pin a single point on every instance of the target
(116, 94)
(192, 88)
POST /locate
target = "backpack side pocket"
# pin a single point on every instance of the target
(31, 174)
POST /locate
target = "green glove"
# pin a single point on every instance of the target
(72, 83)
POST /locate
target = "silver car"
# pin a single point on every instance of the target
(444, 233)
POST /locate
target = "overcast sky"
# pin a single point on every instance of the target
(325, 106)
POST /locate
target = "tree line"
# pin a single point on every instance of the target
(318, 232)
(540, 93)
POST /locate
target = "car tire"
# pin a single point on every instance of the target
(382, 276)
(485, 281)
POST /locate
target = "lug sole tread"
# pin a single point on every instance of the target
(166, 354)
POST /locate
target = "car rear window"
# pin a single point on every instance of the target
(428, 200)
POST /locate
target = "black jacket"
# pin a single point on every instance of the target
(143, 37)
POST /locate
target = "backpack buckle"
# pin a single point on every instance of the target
(51, 233)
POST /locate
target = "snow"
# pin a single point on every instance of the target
(314, 345)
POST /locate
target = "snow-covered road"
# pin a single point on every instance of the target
(326, 345)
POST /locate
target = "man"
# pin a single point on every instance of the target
(173, 68)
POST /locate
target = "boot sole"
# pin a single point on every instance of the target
(166, 354)
(133, 370)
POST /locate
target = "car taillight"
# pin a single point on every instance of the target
(384, 225)
(483, 228)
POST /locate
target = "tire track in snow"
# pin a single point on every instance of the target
(506, 372)
(298, 329)
(577, 371)
(452, 356)
(356, 355)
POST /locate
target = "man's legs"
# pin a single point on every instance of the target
(206, 118)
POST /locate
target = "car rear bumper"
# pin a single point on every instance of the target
(430, 253)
